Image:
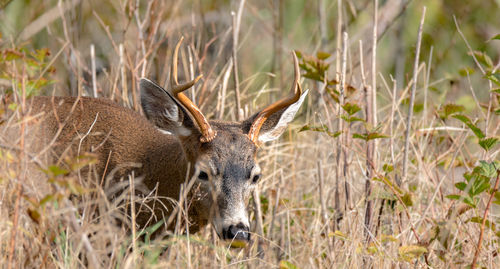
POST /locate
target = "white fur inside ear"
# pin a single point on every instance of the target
(171, 113)
(180, 131)
(285, 118)
(165, 132)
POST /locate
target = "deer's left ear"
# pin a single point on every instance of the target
(277, 123)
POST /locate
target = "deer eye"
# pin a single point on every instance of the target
(255, 178)
(203, 176)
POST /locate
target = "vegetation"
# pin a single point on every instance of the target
(393, 161)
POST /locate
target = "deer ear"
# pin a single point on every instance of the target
(276, 124)
(163, 110)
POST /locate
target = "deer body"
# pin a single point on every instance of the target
(173, 144)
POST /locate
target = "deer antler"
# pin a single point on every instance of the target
(208, 134)
(296, 92)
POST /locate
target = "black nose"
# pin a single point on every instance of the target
(236, 232)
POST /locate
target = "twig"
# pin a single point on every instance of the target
(374, 66)
(345, 131)
(412, 97)
(426, 87)
(391, 122)
(485, 215)
(324, 213)
(277, 43)
(371, 104)
(258, 219)
(123, 76)
(338, 74)
(12, 245)
(92, 59)
(131, 179)
(225, 80)
(236, 30)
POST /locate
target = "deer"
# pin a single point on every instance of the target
(174, 141)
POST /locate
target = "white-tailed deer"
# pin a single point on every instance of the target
(176, 142)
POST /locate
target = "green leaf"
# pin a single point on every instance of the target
(40, 54)
(488, 170)
(351, 108)
(483, 58)
(321, 129)
(488, 143)
(338, 234)
(496, 90)
(465, 71)
(369, 136)
(497, 37)
(359, 136)
(287, 265)
(13, 106)
(55, 171)
(321, 55)
(408, 253)
(407, 200)
(417, 108)
(11, 55)
(49, 198)
(388, 168)
(480, 187)
(372, 136)
(450, 109)
(298, 53)
(468, 200)
(497, 198)
(454, 196)
(351, 119)
(461, 185)
(479, 220)
(493, 77)
(468, 122)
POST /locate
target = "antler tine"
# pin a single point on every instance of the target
(296, 92)
(176, 87)
(208, 134)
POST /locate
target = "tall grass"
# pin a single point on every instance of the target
(335, 161)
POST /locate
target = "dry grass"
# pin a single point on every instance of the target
(307, 219)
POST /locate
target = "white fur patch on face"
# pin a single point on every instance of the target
(255, 171)
(237, 214)
(285, 118)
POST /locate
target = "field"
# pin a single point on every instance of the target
(392, 161)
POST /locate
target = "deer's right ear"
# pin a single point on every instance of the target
(163, 110)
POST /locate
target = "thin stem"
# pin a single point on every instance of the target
(412, 97)
(483, 224)
(236, 30)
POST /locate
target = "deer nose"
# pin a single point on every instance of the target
(236, 232)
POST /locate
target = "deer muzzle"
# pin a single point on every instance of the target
(239, 232)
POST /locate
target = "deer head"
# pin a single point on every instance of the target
(222, 154)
